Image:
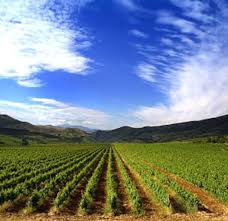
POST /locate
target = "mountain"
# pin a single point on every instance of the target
(86, 129)
(180, 131)
(19, 129)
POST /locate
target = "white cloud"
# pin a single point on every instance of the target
(146, 71)
(49, 102)
(138, 33)
(167, 41)
(197, 81)
(129, 4)
(44, 111)
(182, 41)
(133, 6)
(37, 36)
(186, 40)
(185, 26)
(198, 91)
(195, 9)
(30, 82)
(83, 3)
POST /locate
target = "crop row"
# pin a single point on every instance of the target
(34, 182)
(18, 158)
(154, 185)
(14, 158)
(22, 171)
(161, 186)
(87, 198)
(64, 195)
(132, 192)
(111, 186)
(38, 197)
(48, 167)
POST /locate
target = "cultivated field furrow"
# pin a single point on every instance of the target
(125, 181)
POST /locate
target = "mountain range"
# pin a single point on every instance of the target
(12, 127)
(180, 131)
(86, 129)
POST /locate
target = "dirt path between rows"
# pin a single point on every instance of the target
(124, 205)
(210, 203)
(172, 217)
(15, 206)
(72, 205)
(100, 194)
(149, 208)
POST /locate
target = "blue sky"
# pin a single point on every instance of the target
(105, 64)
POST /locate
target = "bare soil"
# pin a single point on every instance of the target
(100, 194)
(15, 206)
(124, 205)
(174, 217)
(72, 205)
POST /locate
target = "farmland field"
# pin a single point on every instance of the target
(172, 181)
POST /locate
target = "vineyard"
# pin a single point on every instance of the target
(172, 181)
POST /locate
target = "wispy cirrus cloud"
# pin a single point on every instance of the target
(128, 4)
(183, 25)
(146, 71)
(133, 6)
(198, 10)
(26, 82)
(40, 36)
(46, 111)
(48, 101)
(83, 3)
(137, 33)
(192, 68)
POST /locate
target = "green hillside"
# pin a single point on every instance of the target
(39, 134)
(199, 131)
(181, 131)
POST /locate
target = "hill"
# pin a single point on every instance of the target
(15, 128)
(86, 129)
(180, 131)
